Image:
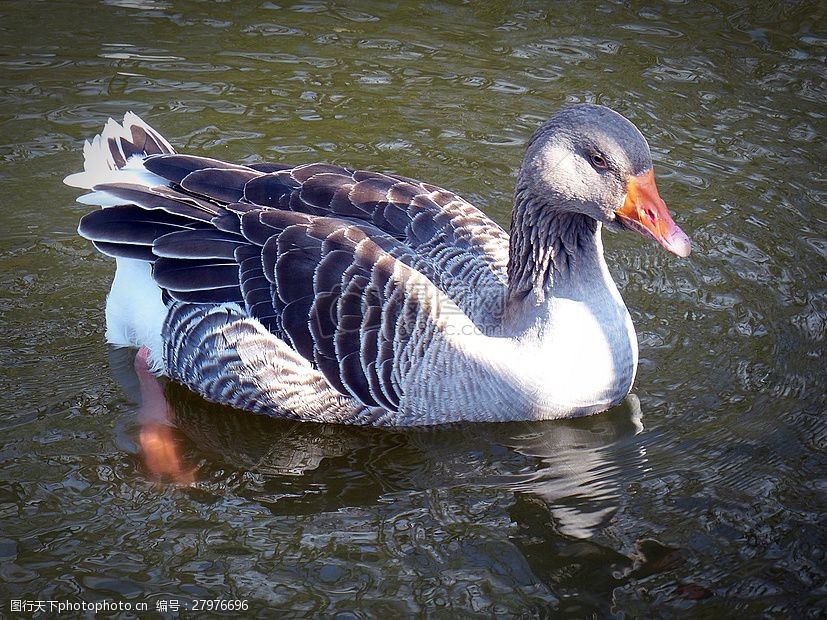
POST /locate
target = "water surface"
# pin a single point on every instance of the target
(703, 495)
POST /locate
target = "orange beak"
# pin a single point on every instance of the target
(644, 211)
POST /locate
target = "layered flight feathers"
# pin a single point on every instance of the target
(344, 266)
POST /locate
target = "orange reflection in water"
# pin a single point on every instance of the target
(157, 436)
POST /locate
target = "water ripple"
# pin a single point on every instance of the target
(713, 509)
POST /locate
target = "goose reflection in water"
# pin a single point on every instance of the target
(568, 478)
(579, 467)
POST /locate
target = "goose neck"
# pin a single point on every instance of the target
(551, 250)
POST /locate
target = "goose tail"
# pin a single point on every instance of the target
(134, 307)
(116, 156)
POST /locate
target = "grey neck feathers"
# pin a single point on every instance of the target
(546, 244)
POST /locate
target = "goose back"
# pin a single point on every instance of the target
(460, 249)
(356, 272)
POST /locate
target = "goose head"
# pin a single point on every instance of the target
(588, 159)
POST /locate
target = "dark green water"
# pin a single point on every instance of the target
(703, 496)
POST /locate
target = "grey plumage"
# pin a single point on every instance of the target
(324, 293)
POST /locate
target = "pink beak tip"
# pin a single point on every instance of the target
(678, 243)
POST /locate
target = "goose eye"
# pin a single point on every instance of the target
(598, 161)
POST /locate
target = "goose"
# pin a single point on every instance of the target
(323, 293)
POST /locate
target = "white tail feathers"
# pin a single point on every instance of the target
(115, 155)
(135, 310)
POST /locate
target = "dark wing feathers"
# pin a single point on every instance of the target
(160, 198)
(271, 190)
(425, 218)
(269, 167)
(175, 167)
(318, 191)
(229, 217)
(347, 338)
(130, 225)
(297, 257)
(221, 295)
(257, 290)
(328, 281)
(296, 328)
(194, 275)
(125, 250)
(219, 184)
(319, 254)
(198, 244)
(302, 173)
